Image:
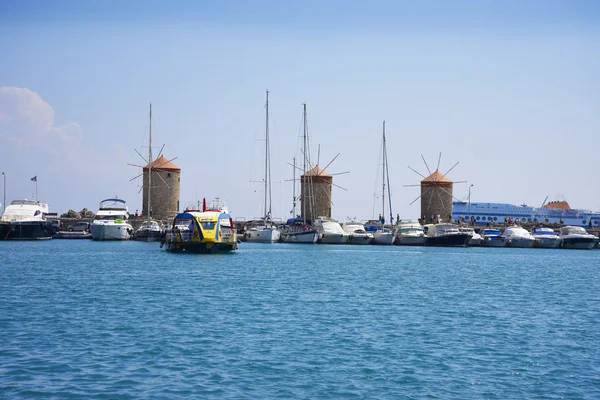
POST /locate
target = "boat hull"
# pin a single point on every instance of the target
(407, 240)
(579, 243)
(383, 238)
(105, 231)
(475, 242)
(262, 236)
(520, 242)
(456, 240)
(333, 238)
(547, 243)
(29, 230)
(359, 239)
(147, 235)
(307, 237)
(492, 242)
(200, 248)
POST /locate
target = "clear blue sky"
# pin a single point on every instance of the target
(510, 89)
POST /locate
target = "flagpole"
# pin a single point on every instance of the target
(36, 196)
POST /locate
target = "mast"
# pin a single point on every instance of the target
(383, 176)
(294, 191)
(149, 206)
(387, 173)
(267, 212)
(304, 197)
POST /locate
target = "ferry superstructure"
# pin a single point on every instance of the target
(554, 212)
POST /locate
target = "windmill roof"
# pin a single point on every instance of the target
(316, 171)
(162, 164)
(437, 176)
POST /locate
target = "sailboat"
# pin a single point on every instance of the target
(264, 230)
(296, 229)
(150, 230)
(381, 234)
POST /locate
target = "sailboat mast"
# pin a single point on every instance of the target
(383, 174)
(150, 160)
(387, 172)
(267, 192)
(304, 197)
(294, 191)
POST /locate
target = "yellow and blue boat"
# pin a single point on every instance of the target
(208, 231)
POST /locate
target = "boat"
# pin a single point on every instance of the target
(476, 238)
(410, 234)
(296, 230)
(330, 231)
(264, 230)
(25, 219)
(381, 234)
(555, 212)
(491, 238)
(516, 236)
(576, 237)
(208, 231)
(445, 234)
(357, 233)
(150, 230)
(545, 237)
(111, 221)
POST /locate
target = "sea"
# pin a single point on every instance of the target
(127, 320)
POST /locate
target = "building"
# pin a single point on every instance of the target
(165, 190)
(436, 196)
(315, 198)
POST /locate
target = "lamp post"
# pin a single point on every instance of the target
(470, 202)
(4, 201)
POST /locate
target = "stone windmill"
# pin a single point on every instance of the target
(436, 193)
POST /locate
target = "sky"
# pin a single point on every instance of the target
(508, 89)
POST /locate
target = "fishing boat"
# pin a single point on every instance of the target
(111, 221)
(264, 230)
(410, 234)
(25, 219)
(208, 231)
(545, 238)
(150, 230)
(576, 237)
(381, 234)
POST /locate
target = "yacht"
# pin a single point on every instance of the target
(331, 231)
(515, 236)
(381, 234)
(491, 238)
(25, 219)
(111, 221)
(357, 233)
(410, 234)
(445, 234)
(545, 237)
(575, 237)
(149, 231)
(476, 238)
(297, 231)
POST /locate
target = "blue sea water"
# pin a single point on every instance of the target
(83, 319)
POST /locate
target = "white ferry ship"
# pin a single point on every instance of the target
(551, 213)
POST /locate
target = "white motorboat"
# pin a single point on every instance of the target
(357, 233)
(445, 234)
(576, 237)
(491, 238)
(410, 234)
(149, 231)
(545, 237)
(111, 221)
(515, 236)
(331, 231)
(476, 238)
(25, 219)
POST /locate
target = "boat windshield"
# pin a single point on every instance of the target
(576, 230)
(411, 231)
(208, 225)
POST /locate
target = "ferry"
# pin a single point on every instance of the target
(556, 212)
(208, 231)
